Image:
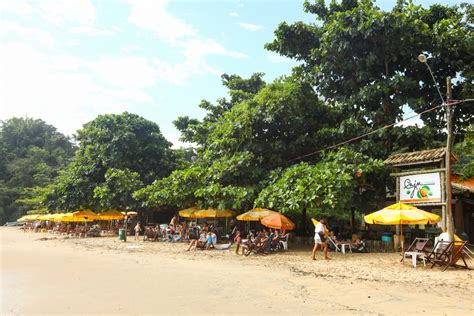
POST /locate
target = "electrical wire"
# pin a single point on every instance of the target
(453, 102)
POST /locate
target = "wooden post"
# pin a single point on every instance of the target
(449, 146)
(445, 196)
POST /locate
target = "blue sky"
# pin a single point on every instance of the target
(68, 61)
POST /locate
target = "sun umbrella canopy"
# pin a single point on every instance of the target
(129, 213)
(46, 217)
(213, 213)
(111, 215)
(400, 213)
(189, 212)
(255, 214)
(31, 218)
(278, 221)
(87, 214)
(71, 217)
(23, 219)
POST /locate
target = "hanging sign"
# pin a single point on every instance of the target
(420, 188)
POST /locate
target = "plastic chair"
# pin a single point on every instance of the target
(284, 241)
(416, 250)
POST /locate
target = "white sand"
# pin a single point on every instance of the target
(106, 276)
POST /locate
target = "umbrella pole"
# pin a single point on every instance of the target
(401, 236)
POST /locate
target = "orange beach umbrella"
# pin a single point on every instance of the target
(278, 221)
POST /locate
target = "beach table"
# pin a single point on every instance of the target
(343, 247)
(414, 257)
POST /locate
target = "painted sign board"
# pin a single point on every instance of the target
(421, 188)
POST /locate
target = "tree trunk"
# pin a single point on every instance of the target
(352, 220)
(303, 223)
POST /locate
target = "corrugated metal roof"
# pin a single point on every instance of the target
(424, 156)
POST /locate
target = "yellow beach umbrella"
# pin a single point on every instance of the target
(30, 218)
(399, 214)
(87, 214)
(130, 213)
(57, 216)
(189, 212)
(71, 217)
(255, 214)
(23, 219)
(213, 213)
(47, 217)
(111, 215)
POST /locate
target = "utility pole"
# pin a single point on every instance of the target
(449, 148)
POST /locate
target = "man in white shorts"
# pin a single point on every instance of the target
(320, 239)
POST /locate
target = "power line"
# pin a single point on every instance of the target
(377, 130)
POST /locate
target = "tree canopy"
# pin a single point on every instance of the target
(363, 60)
(111, 148)
(253, 142)
(31, 155)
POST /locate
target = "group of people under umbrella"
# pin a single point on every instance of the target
(73, 222)
(79, 216)
(266, 217)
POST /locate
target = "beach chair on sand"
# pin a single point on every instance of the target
(283, 241)
(448, 253)
(341, 247)
(416, 251)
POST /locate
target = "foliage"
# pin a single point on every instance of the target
(31, 154)
(364, 60)
(117, 189)
(326, 188)
(126, 142)
(465, 151)
(272, 124)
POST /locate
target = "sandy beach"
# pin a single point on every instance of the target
(47, 274)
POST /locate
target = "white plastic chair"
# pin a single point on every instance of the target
(284, 242)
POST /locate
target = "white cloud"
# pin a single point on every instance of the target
(250, 27)
(131, 49)
(66, 90)
(152, 15)
(234, 14)
(274, 58)
(198, 48)
(80, 12)
(89, 30)
(194, 63)
(20, 7)
(26, 33)
(124, 72)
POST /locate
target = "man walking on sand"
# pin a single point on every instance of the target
(320, 239)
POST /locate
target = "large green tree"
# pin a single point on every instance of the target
(363, 60)
(31, 155)
(264, 131)
(110, 147)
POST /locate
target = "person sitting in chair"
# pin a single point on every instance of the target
(359, 246)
